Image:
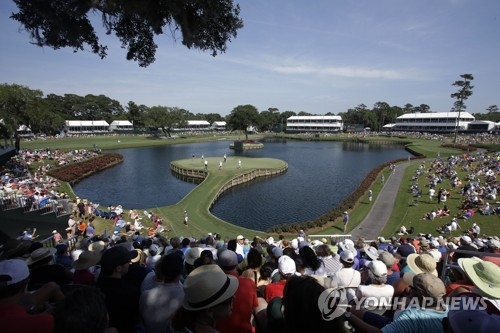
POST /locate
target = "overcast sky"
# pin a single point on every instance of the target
(316, 56)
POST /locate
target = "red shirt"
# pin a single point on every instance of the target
(245, 300)
(274, 290)
(15, 319)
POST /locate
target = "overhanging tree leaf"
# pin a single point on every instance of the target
(202, 24)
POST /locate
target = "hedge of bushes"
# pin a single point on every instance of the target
(73, 173)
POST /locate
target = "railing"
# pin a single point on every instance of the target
(60, 207)
(338, 238)
(71, 242)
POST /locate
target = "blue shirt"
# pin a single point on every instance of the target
(414, 320)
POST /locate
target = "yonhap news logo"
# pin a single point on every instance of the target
(333, 303)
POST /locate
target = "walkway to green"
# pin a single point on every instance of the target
(373, 224)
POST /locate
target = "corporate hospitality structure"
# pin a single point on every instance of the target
(445, 122)
(318, 124)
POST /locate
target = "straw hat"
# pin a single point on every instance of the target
(371, 252)
(207, 286)
(484, 274)
(40, 254)
(422, 263)
(97, 246)
(86, 260)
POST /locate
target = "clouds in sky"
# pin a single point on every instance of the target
(318, 56)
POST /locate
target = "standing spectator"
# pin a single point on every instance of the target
(83, 310)
(157, 305)
(345, 219)
(208, 299)
(245, 298)
(56, 236)
(122, 297)
(286, 269)
(186, 218)
(82, 266)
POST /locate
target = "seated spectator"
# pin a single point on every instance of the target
(493, 247)
(14, 276)
(388, 259)
(313, 265)
(208, 298)
(377, 287)
(83, 310)
(330, 260)
(348, 277)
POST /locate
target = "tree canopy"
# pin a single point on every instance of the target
(205, 25)
(242, 117)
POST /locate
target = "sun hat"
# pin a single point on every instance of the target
(40, 254)
(116, 256)
(466, 239)
(422, 263)
(97, 246)
(381, 239)
(192, 254)
(269, 240)
(377, 267)
(227, 259)
(371, 252)
(387, 258)
(347, 256)
(54, 231)
(346, 212)
(86, 260)
(485, 275)
(286, 265)
(451, 246)
(348, 244)
(13, 271)
(426, 284)
(138, 256)
(240, 237)
(207, 286)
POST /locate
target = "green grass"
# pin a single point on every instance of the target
(121, 142)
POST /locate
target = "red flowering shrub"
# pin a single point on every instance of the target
(73, 173)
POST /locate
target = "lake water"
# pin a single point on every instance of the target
(319, 176)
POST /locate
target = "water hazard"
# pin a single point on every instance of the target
(319, 176)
